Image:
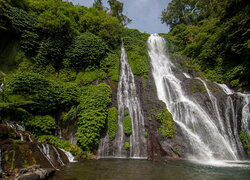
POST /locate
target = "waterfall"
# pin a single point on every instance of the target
(127, 99)
(30, 139)
(14, 125)
(21, 135)
(45, 152)
(58, 157)
(69, 155)
(210, 138)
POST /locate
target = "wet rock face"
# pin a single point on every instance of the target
(158, 147)
(20, 150)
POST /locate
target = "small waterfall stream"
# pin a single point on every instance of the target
(210, 136)
(69, 155)
(45, 151)
(58, 157)
(127, 99)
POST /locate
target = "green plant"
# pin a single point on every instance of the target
(234, 83)
(135, 45)
(47, 94)
(165, 118)
(245, 141)
(112, 122)
(92, 113)
(146, 134)
(127, 123)
(127, 145)
(86, 49)
(71, 114)
(40, 125)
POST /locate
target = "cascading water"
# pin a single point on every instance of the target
(21, 135)
(58, 157)
(30, 139)
(46, 153)
(127, 99)
(208, 138)
(69, 155)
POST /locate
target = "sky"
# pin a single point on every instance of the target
(145, 14)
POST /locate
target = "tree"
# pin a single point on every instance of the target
(116, 11)
(98, 4)
(180, 11)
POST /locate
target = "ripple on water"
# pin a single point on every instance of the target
(123, 169)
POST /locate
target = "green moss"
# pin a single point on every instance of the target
(198, 87)
(245, 141)
(127, 123)
(112, 122)
(127, 145)
(165, 118)
(28, 158)
(10, 158)
(146, 134)
(194, 88)
(149, 118)
(153, 110)
(18, 141)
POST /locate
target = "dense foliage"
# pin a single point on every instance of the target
(165, 118)
(136, 47)
(127, 123)
(126, 145)
(214, 35)
(46, 94)
(245, 141)
(86, 49)
(112, 122)
(92, 114)
(41, 125)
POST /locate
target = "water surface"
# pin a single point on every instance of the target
(131, 169)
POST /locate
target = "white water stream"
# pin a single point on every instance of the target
(208, 141)
(127, 99)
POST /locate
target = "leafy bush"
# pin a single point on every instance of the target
(40, 125)
(165, 118)
(112, 122)
(127, 123)
(245, 141)
(22, 21)
(12, 108)
(48, 95)
(90, 75)
(71, 114)
(111, 64)
(136, 47)
(127, 145)
(92, 113)
(86, 49)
